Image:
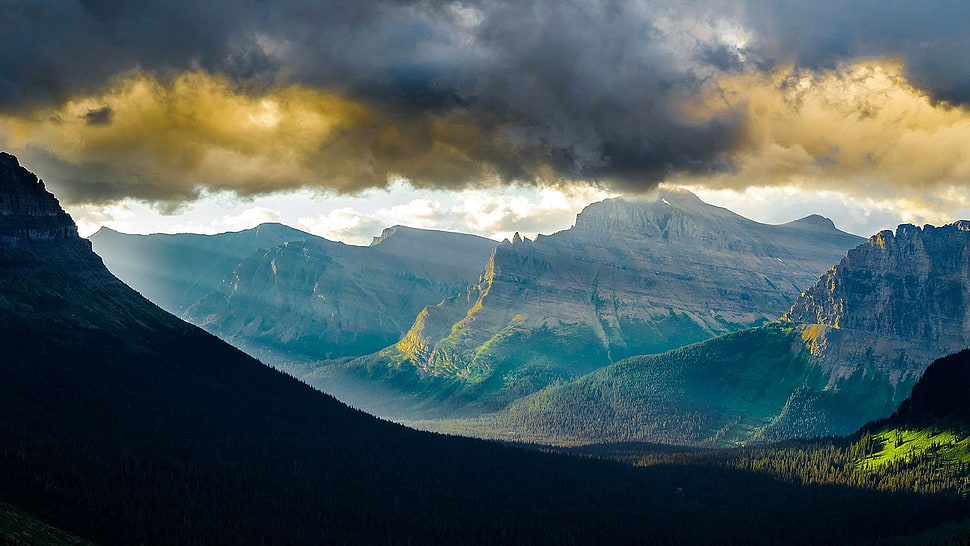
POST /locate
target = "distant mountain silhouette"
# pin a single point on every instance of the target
(286, 295)
(175, 271)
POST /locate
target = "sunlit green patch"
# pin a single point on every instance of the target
(898, 445)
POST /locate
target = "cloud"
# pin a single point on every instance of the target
(930, 39)
(98, 116)
(166, 140)
(497, 213)
(343, 224)
(232, 222)
(862, 129)
(450, 94)
(447, 94)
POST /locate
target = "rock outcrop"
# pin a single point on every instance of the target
(31, 216)
(34, 229)
(903, 298)
(875, 321)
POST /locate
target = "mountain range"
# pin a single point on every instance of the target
(630, 278)
(287, 295)
(564, 336)
(848, 351)
(176, 271)
(121, 424)
(464, 323)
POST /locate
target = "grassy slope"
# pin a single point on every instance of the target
(899, 445)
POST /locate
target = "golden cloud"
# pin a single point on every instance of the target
(862, 129)
(165, 139)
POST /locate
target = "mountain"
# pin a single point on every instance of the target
(175, 271)
(875, 321)
(319, 299)
(121, 424)
(631, 277)
(329, 299)
(847, 352)
(903, 298)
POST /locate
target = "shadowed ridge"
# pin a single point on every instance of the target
(941, 394)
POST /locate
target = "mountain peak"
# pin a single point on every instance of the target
(8, 160)
(29, 214)
(813, 222)
(105, 231)
(398, 239)
(669, 214)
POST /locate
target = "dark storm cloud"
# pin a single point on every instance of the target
(99, 116)
(586, 89)
(931, 37)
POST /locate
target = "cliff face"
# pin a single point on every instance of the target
(631, 277)
(30, 216)
(34, 230)
(847, 352)
(901, 300)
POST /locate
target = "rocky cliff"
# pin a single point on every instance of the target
(35, 229)
(631, 277)
(47, 270)
(31, 215)
(903, 298)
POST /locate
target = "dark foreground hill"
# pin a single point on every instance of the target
(124, 425)
(942, 395)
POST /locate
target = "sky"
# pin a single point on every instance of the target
(485, 116)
